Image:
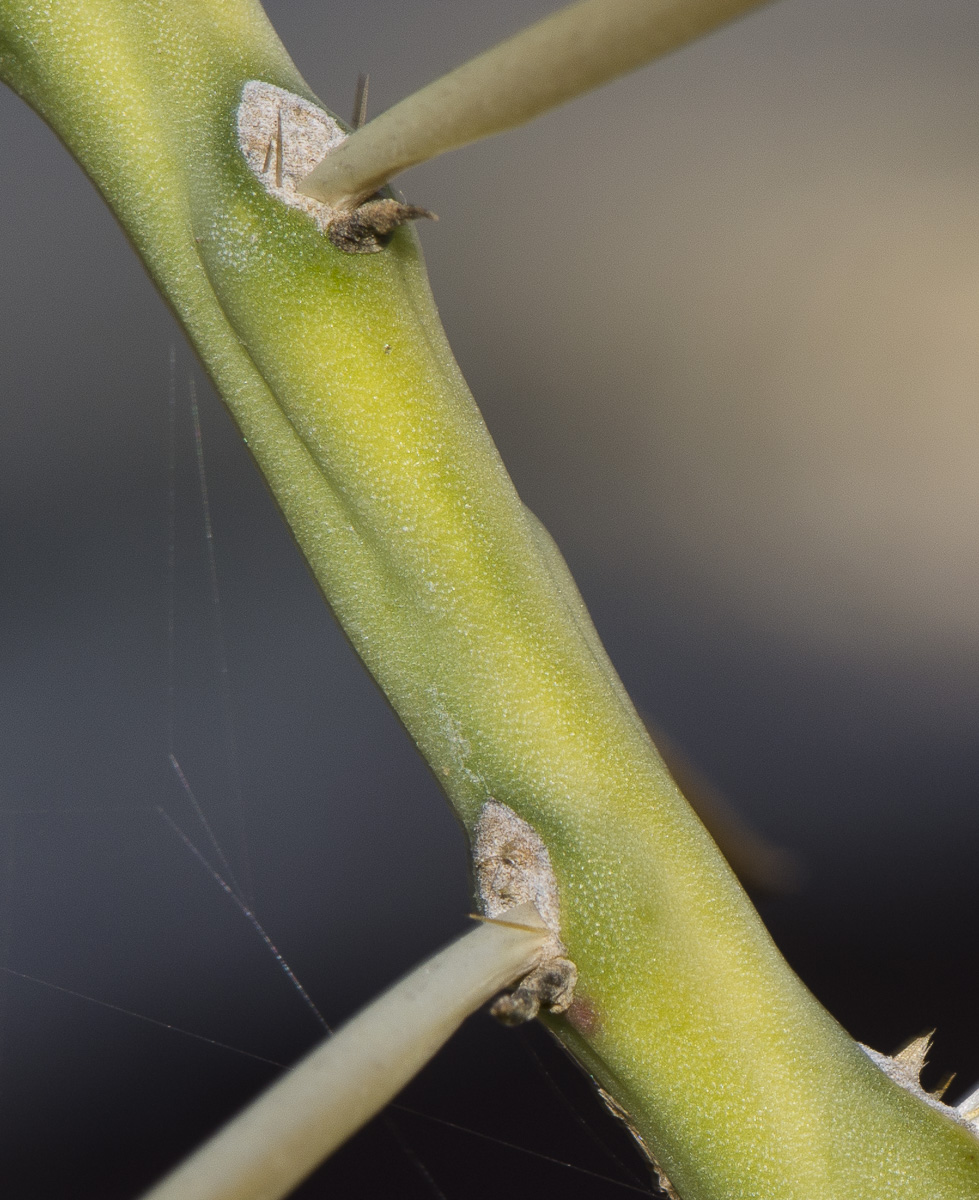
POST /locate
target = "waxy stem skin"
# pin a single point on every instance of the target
(338, 375)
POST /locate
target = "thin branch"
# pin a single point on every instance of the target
(555, 60)
(270, 1147)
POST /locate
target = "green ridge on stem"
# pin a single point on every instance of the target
(339, 377)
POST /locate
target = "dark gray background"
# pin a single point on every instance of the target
(721, 318)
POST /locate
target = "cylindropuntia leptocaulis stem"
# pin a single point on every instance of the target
(558, 58)
(337, 373)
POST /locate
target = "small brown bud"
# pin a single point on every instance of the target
(368, 227)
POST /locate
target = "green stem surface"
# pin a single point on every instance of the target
(338, 374)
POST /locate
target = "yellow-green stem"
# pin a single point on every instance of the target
(337, 372)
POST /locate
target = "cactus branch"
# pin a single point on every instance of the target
(337, 372)
(270, 1147)
(571, 52)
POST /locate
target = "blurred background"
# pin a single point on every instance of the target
(721, 318)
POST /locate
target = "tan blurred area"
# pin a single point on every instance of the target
(820, 458)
